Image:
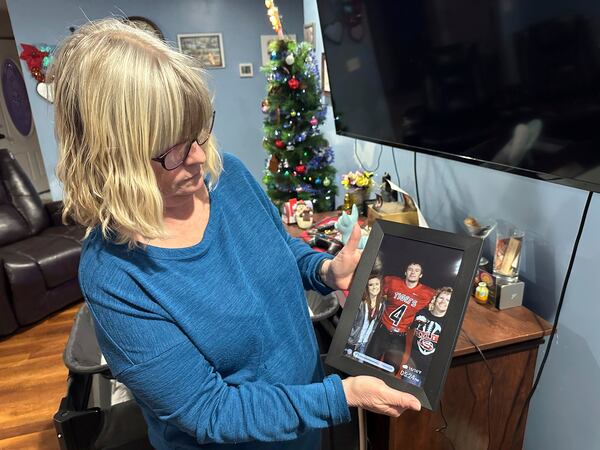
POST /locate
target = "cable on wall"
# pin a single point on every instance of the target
(395, 165)
(557, 316)
(360, 163)
(416, 180)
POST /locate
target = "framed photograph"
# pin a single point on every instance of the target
(309, 34)
(206, 47)
(246, 70)
(405, 308)
(324, 76)
(265, 40)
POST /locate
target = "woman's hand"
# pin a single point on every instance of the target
(338, 272)
(374, 395)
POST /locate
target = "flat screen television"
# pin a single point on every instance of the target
(508, 84)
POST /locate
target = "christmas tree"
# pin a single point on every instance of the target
(299, 158)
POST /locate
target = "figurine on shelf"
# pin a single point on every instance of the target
(387, 193)
(303, 213)
(345, 224)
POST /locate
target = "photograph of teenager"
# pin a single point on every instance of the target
(368, 316)
(404, 298)
(195, 288)
(424, 334)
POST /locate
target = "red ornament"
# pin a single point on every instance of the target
(279, 143)
(300, 168)
(293, 83)
(32, 56)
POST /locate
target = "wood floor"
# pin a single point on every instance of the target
(32, 382)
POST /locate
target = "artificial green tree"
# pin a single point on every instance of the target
(299, 158)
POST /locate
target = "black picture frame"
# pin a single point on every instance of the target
(452, 260)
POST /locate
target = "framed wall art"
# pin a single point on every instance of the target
(405, 308)
(206, 47)
(309, 34)
(246, 70)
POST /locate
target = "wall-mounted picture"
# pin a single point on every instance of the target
(405, 308)
(246, 70)
(206, 47)
(265, 40)
(324, 76)
(309, 34)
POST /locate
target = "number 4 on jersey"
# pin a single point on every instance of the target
(396, 315)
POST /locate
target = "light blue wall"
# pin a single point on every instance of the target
(238, 125)
(565, 408)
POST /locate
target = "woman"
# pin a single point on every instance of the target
(369, 313)
(423, 337)
(197, 292)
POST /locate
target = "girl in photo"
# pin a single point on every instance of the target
(371, 309)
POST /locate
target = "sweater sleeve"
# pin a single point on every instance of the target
(307, 259)
(181, 387)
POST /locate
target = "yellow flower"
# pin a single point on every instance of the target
(363, 180)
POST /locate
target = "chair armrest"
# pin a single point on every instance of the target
(8, 321)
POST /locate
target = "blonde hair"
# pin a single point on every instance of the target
(438, 292)
(123, 96)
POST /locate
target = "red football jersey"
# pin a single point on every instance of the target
(403, 303)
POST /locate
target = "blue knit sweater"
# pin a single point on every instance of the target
(215, 340)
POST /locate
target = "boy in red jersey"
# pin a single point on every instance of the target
(404, 298)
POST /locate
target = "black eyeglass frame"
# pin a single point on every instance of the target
(161, 159)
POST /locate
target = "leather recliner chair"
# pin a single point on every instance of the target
(39, 256)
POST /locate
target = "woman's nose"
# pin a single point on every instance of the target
(196, 155)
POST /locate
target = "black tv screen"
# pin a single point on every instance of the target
(508, 84)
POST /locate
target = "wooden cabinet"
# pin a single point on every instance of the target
(477, 408)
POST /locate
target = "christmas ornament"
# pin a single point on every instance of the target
(318, 181)
(286, 164)
(279, 143)
(293, 83)
(290, 147)
(313, 121)
(264, 106)
(293, 113)
(38, 59)
(300, 168)
(273, 164)
(289, 59)
(326, 182)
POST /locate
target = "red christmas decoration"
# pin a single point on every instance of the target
(36, 72)
(300, 168)
(32, 56)
(279, 143)
(293, 83)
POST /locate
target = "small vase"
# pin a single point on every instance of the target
(358, 197)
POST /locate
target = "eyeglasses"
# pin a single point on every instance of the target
(176, 155)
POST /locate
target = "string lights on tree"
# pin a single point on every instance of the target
(299, 163)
